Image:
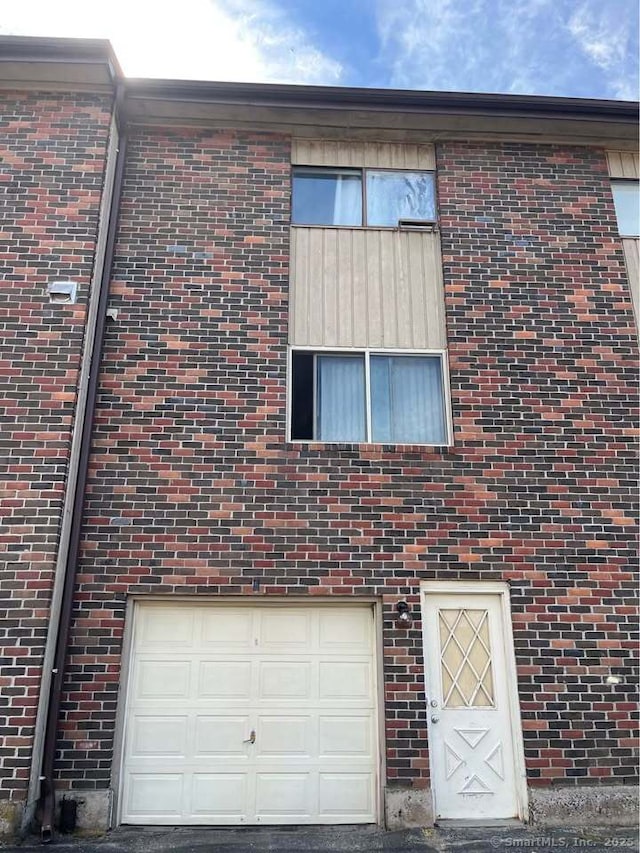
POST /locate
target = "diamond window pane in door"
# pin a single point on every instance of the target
(465, 658)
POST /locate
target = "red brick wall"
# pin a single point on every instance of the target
(52, 153)
(194, 490)
(543, 356)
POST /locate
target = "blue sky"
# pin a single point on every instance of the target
(578, 48)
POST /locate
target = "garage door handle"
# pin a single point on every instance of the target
(251, 738)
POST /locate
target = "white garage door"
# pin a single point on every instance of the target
(250, 715)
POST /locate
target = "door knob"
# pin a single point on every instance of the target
(434, 719)
(251, 738)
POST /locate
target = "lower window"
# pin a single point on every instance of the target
(380, 397)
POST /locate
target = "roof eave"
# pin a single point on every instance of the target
(381, 113)
(279, 94)
(53, 64)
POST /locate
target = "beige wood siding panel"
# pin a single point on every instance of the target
(366, 288)
(624, 164)
(420, 268)
(632, 256)
(375, 155)
(403, 295)
(362, 300)
(373, 320)
(389, 294)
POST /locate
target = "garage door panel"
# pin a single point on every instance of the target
(284, 736)
(302, 679)
(221, 735)
(285, 631)
(282, 794)
(231, 630)
(284, 680)
(225, 680)
(345, 632)
(155, 794)
(166, 628)
(219, 794)
(157, 736)
(345, 736)
(161, 680)
(345, 681)
(346, 794)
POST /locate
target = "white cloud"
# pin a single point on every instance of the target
(459, 44)
(604, 36)
(563, 47)
(244, 40)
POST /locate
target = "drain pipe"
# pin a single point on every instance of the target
(41, 782)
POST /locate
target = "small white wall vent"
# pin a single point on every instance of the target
(62, 292)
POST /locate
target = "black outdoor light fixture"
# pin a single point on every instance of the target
(404, 618)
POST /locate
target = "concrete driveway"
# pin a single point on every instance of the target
(342, 840)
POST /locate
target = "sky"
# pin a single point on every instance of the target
(572, 48)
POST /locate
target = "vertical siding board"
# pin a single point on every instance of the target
(315, 284)
(344, 287)
(426, 157)
(320, 153)
(299, 297)
(302, 152)
(373, 283)
(359, 291)
(624, 164)
(633, 166)
(416, 271)
(614, 163)
(294, 298)
(305, 265)
(331, 272)
(389, 289)
(403, 304)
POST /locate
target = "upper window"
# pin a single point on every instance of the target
(367, 396)
(626, 196)
(371, 197)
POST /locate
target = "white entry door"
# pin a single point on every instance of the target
(471, 744)
(250, 715)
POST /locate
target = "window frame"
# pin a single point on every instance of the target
(629, 182)
(402, 225)
(367, 352)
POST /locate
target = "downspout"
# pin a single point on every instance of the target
(41, 782)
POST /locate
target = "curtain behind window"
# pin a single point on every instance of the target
(406, 400)
(347, 206)
(341, 401)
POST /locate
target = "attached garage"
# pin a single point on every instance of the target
(245, 714)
